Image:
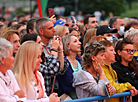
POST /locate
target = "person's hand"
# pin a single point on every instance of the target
(97, 67)
(60, 47)
(133, 91)
(110, 89)
(54, 43)
(53, 18)
(54, 97)
(20, 94)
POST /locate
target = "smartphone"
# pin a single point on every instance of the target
(73, 20)
(51, 12)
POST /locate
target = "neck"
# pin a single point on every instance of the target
(3, 69)
(92, 71)
(45, 40)
(124, 63)
(71, 57)
(107, 62)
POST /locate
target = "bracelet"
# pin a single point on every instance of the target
(61, 51)
(54, 50)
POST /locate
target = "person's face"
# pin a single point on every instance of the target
(15, 42)
(65, 32)
(48, 30)
(119, 23)
(9, 61)
(76, 34)
(126, 56)
(74, 44)
(13, 23)
(135, 40)
(108, 35)
(100, 57)
(109, 55)
(135, 26)
(39, 41)
(38, 60)
(92, 22)
(22, 27)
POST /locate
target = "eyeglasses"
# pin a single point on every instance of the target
(129, 51)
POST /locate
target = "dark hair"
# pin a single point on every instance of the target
(119, 46)
(129, 24)
(23, 22)
(10, 23)
(20, 15)
(113, 20)
(16, 26)
(86, 18)
(106, 43)
(31, 25)
(71, 29)
(27, 37)
(2, 19)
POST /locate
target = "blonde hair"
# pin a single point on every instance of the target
(60, 30)
(24, 63)
(7, 34)
(89, 34)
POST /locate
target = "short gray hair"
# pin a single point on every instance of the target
(40, 23)
(4, 46)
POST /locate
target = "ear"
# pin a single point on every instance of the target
(119, 52)
(93, 58)
(113, 26)
(86, 26)
(2, 60)
(68, 46)
(41, 31)
(30, 31)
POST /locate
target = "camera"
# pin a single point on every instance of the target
(57, 38)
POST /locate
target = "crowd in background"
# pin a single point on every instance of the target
(42, 59)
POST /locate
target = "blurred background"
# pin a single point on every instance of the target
(124, 8)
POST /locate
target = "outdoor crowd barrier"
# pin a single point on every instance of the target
(95, 98)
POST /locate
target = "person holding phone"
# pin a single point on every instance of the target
(90, 80)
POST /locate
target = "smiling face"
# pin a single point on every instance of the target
(74, 45)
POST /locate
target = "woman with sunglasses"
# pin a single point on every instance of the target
(90, 80)
(125, 66)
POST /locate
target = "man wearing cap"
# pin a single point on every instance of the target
(118, 23)
(106, 31)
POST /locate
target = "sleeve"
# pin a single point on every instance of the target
(53, 68)
(120, 87)
(88, 83)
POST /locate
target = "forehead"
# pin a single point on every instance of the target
(128, 46)
(72, 38)
(92, 19)
(14, 37)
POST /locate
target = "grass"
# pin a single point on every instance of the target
(130, 13)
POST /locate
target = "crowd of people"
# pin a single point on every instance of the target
(42, 59)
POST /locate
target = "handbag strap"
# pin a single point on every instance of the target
(53, 84)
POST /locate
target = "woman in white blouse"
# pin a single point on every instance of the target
(9, 89)
(27, 61)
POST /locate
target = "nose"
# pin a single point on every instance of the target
(40, 59)
(54, 29)
(18, 44)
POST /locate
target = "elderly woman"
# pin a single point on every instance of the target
(71, 46)
(90, 80)
(27, 62)
(9, 89)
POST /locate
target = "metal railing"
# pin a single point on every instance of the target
(95, 98)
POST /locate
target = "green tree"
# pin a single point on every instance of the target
(130, 3)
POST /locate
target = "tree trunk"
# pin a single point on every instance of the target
(129, 4)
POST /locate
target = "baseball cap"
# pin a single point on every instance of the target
(105, 29)
(59, 22)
